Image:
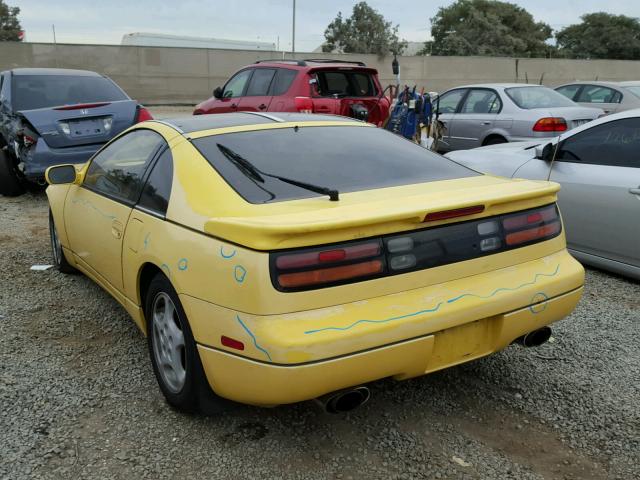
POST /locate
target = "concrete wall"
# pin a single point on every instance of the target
(188, 75)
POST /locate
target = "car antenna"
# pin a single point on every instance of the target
(553, 158)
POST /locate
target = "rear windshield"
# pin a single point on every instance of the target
(537, 97)
(344, 158)
(345, 84)
(635, 89)
(44, 91)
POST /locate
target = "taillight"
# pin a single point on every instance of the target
(304, 104)
(82, 106)
(328, 265)
(318, 267)
(531, 226)
(143, 114)
(550, 124)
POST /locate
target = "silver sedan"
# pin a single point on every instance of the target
(598, 166)
(487, 114)
(612, 97)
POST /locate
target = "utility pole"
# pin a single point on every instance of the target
(293, 36)
(53, 28)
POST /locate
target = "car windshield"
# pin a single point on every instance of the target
(537, 97)
(345, 84)
(345, 158)
(44, 91)
(635, 89)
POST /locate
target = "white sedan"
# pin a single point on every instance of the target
(598, 166)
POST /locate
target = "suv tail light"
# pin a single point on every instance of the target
(304, 104)
(318, 267)
(143, 114)
(550, 124)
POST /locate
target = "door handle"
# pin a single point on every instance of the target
(233, 105)
(486, 123)
(116, 229)
(262, 107)
(634, 191)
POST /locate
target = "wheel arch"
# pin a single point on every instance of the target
(493, 135)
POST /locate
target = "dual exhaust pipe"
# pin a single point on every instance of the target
(536, 338)
(346, 400)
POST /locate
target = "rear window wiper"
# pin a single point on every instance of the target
(250, 170)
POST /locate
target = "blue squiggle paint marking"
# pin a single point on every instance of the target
(239, 273)
(392, 319)
(146, 240)
(255, 342)
(505, 289)
(539, 303)
(183, 264)
(451, 300)
(164, 266)
(87, 203)
(223, 255)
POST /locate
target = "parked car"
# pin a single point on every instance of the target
(271, 277)
(335, 87)
(612, 97)
(50, 116)
(488, 114)
(598, 167)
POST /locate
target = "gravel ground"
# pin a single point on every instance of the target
(78, 398)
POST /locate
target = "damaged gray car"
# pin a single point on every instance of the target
(50, 116)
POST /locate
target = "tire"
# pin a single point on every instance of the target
(57, 252)
(10, 183)
(174, 356)
(494, 141)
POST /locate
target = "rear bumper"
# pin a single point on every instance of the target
(38, 159)
(302, 355)
(259, 383)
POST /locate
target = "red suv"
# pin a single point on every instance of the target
(322, 86)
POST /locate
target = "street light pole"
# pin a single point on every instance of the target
(293, 36)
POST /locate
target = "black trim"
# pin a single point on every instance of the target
(448, 259)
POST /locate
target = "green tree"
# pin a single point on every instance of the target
(9, 25)
(366, 31)
(601, 35)
(487, 27)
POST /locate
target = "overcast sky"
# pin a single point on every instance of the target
(82, 21)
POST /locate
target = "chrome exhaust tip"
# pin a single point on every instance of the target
(344, 400)
(536, 338)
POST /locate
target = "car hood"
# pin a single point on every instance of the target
(375, 212)
(503, 159)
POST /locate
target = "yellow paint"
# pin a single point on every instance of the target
(214, 247)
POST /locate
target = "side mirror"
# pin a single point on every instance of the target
(217, 93)
(61, 174)
(545, 152)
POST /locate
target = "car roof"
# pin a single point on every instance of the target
(313, 63)
(498, 85)
(54, 71)
(197, 123)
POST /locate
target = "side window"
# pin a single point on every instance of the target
(235, 86)
(614, 144)
(260, 82)
(157, 189)
(118, 169)
(482, 101)
(597, 94)
(284, 79)
(450, 100)
(569, 91)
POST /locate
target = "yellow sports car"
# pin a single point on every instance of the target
(275, 258)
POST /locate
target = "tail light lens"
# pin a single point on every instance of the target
(143, 114)
(550, 124)
(304, 104)
(309, 268)
(531, 226)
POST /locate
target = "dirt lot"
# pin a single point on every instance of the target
(79, 400)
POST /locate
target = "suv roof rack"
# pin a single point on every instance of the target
(331, 60)
(300, 63)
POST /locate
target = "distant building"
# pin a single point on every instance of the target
(160, 40)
